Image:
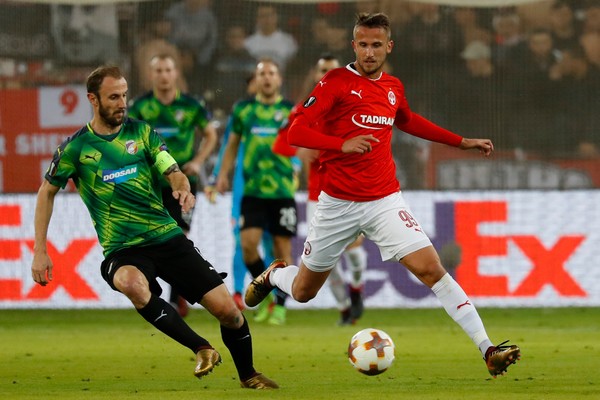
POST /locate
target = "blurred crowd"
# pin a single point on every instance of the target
(527, 76)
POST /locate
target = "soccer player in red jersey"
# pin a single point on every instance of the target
(355, 108)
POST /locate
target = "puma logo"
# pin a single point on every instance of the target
(91, 157)
(162, 314)
(466, 303)
(322, 83)
(110, 267)
(356, 93)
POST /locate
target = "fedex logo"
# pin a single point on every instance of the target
(464, 248)
(66, 263)
(548, 262)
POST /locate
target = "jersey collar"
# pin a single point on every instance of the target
(350, 67)
(177, 96)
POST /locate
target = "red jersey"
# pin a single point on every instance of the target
(281, 146)
(346, 104)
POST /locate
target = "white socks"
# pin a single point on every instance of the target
(338, 287)
(356, 260)
(459, 307)
(283, 278)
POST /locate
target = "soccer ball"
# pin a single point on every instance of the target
(371, 351)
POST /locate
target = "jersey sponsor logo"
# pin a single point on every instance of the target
(372, 121)
(167, 132)
(263, 131)
(310, 101)
(354, 92)
(120, 175)
(131, 147)
(391, 97)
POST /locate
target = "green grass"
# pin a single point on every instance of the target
(114, 354)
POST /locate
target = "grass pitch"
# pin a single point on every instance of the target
(114, 354)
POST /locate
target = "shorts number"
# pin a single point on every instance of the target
(406, 217)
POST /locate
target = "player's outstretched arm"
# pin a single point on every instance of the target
(485, 146)
(41, 266)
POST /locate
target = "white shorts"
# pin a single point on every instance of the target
(311, 209)
(388, 222)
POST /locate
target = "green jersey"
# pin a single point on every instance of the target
(118, 181)
(176, 123)
(266, 175)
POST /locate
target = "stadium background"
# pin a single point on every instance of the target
(517, 230)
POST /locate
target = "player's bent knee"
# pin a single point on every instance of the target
(230, 317)
(134, 286)
(222, 307)
(429, 276)
(303, 295)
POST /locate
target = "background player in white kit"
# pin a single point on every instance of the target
(355, 108)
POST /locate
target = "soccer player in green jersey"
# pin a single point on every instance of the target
(180, 119)
(268, 202)
(116, 162)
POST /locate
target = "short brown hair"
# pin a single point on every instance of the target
(96, 77)
(378, 20)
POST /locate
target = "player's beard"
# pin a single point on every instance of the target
(113, 119)
(371, 68)
(269, 93)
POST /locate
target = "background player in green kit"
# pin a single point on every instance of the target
(116, 164)
(180, 119)
(269, 183)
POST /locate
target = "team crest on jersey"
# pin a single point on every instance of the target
(131, 147)
(179, 115)
(310, 101)
(307, 248)
(391, 97)
(278, 116)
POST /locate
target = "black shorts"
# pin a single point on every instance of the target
(277, 216)
(174, 209)
(176, 261)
